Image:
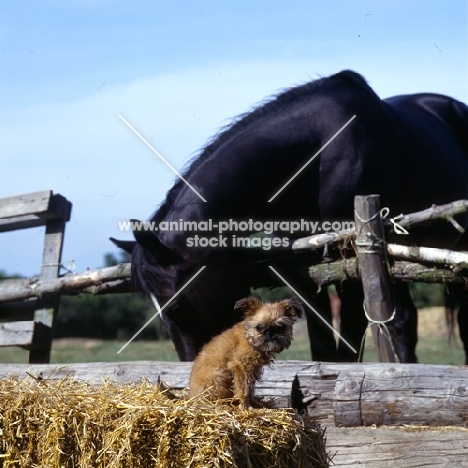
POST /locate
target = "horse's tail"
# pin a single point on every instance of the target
(451, 305)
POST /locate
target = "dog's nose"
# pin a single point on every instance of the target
(271, 333)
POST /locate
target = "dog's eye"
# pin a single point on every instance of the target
(259, 327)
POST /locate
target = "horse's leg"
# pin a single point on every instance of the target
(456, 297)
(463, 321)
(187, 348)
(322, 341)
(352, 320)
(405, 323)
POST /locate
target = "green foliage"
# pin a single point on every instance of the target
(107, 317)
(5, 275)
(272, 294)
(111, 260)
(427, 295)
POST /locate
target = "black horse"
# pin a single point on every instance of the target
(412, 150)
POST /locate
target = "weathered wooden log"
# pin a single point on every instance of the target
(96, 281)
(398, 447)
(277, 382)
(458, 260)
(385, 394)
(318, 241)
(347, 269)
(378, 301)
(89, 281)
(336, 394)
(435, 213)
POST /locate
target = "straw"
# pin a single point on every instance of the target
(65, 423)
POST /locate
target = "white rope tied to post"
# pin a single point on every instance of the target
(69, 269)
(372, 244)
(384, 212)
(383, 328)
(365, 221)
(397, 228)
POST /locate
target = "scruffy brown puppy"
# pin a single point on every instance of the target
(230, 364)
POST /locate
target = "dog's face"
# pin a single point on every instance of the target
(268, 327)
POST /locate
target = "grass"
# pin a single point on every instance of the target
(70, 350)
(433, 347)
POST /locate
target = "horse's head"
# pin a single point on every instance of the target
(199, 308)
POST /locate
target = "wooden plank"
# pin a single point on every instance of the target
(16, 333)
(52, 253)
(48, 304)
(402, 447)
(26, 204)
(21, 222)
(59, 208)
(32, 210)
(378, 301)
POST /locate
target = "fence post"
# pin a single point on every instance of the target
(371, 254)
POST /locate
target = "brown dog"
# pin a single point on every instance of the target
(230, 364)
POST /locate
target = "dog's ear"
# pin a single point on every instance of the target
(248, 306)
(293, 307)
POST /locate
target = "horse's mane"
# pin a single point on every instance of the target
(270, 106)
(145, 273)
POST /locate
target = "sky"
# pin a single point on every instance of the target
(178, 71)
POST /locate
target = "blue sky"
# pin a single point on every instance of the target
(178, 71)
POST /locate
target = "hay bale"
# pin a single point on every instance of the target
(61, 424)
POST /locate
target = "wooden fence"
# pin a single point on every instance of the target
(375, 414)
(408, 264)
(29, 323)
